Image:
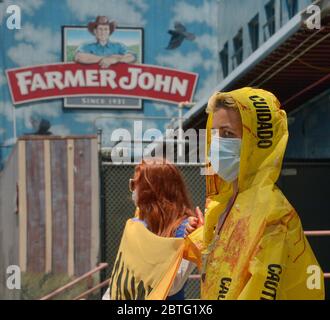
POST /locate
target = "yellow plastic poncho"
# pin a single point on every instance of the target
(146, 264)
(261, 252)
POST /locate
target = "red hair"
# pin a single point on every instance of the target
(162, 197)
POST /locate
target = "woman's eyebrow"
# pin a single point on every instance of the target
(225, 126)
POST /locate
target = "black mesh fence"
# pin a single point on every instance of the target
(118, 207)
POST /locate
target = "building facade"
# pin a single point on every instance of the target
(270, 44)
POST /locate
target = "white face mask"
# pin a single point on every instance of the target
(225, 157)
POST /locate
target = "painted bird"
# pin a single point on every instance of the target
(41, 126)
(178, 35)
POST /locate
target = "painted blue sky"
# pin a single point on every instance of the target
(40, 42)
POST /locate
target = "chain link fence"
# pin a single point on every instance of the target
(118, 207)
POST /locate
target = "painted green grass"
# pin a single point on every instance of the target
(70, 52)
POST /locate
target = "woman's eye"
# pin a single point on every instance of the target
(227, 134)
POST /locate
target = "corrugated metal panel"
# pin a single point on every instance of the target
(82, 209)
(58, 222)
(59, 183)
(35, 194)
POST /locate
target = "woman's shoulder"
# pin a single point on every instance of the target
(135, 219)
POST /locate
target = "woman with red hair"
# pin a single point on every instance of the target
(164, 208)
(159, 192)
(150, 262)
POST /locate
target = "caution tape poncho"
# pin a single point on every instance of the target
(146, 264)
(261, 252)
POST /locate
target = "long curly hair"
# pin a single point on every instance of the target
(162, 197)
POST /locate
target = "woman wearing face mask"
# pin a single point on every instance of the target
(164, 209)
(253, 245)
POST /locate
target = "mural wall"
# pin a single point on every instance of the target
(191, 45)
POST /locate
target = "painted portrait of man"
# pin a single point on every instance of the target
(101, 42)
(103, 51)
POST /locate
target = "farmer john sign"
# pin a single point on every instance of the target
(122, 79)
(102, 68)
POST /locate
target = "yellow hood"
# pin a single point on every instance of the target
(261, 252)
(265, 135)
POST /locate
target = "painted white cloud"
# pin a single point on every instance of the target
(85, 117)
(192, 61)
(206, 13)
(209, 43)
(111, 124)
(6, 113)
(28, 7)
(205, 56)
(47, 110)
(7, 134)
(6, 110)
(32, 40)
(23, 113)
(208, 84)
(166, 110)
(206, 41)
(108, 125)
(101, 117)
(124, 12)
(60, 130)
(10, 142)
(140, 4)
(178, 60)
(150, 124)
